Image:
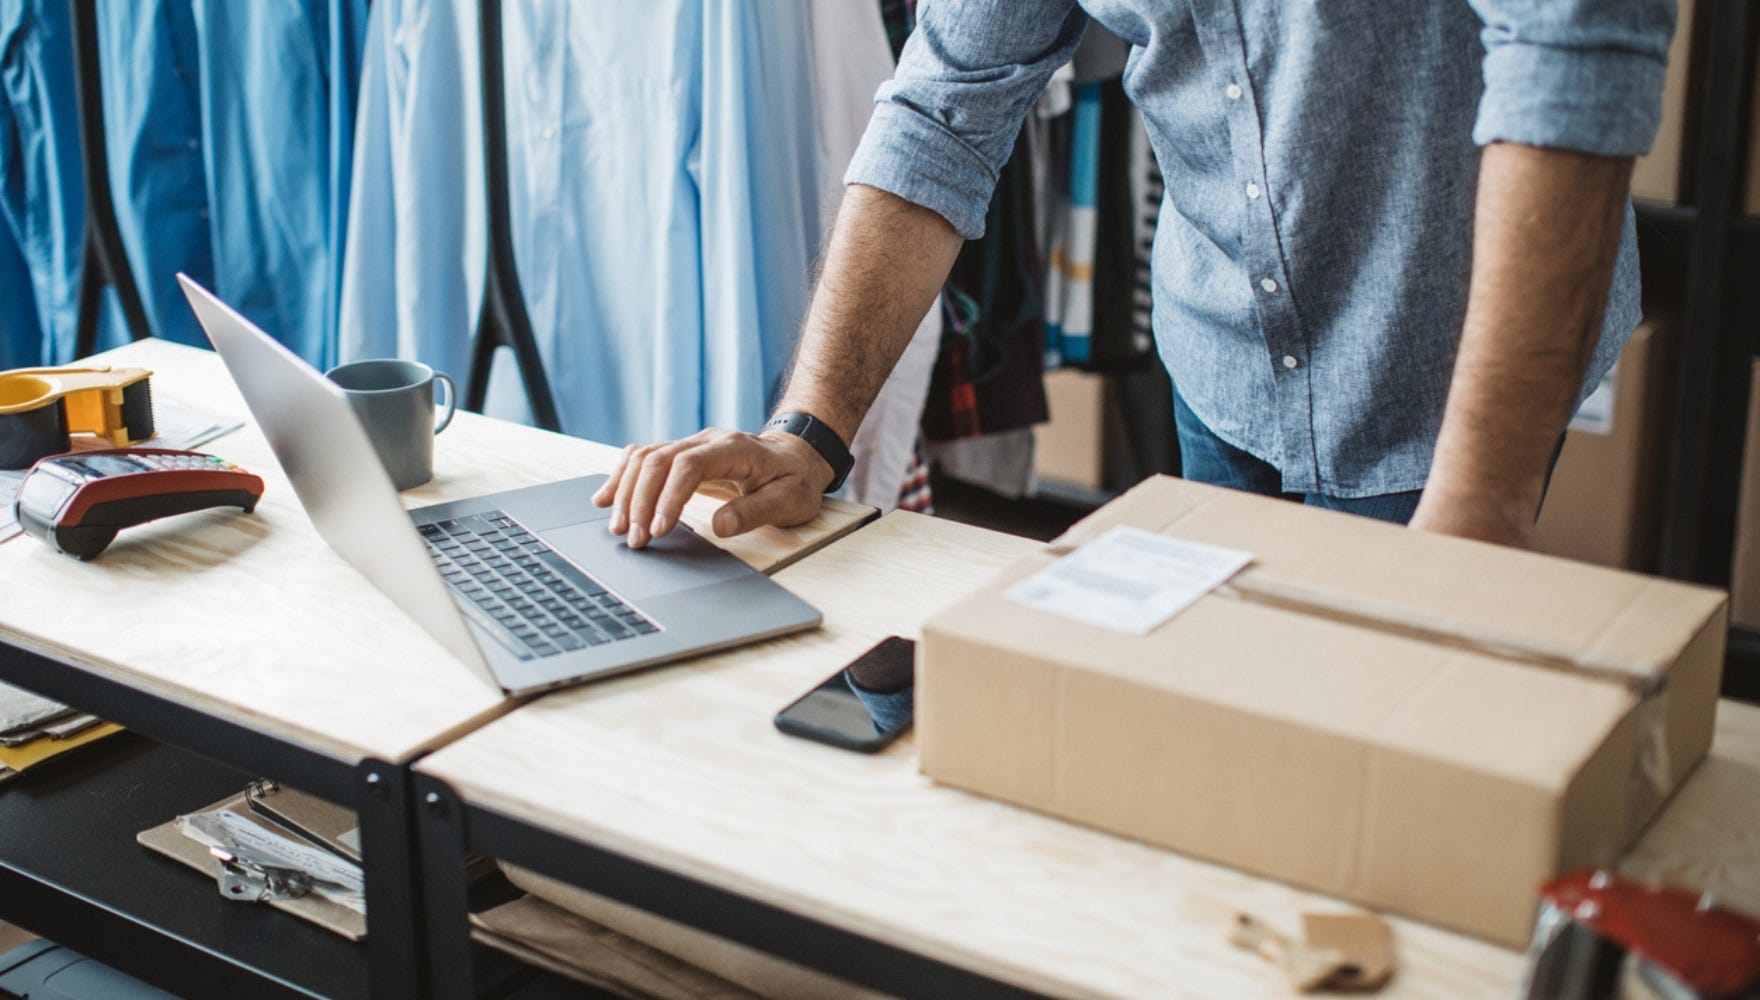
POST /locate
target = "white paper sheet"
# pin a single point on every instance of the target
(1129, 580)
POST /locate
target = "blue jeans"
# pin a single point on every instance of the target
(1206, 458)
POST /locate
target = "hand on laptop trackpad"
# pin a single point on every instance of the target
(680, 561)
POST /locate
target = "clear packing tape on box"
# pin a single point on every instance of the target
(1645, 680)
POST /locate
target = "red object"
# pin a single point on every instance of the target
(1712, 950)
(77, 502)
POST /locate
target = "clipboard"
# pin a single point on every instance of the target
(166, 839)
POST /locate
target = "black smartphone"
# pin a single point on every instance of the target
(864, 706)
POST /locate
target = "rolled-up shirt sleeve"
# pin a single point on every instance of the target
(946, 122)
(1583, 75)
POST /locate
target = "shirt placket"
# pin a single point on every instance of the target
(1287, 349)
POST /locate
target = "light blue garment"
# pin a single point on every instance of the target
(1314, 245)
(413, 275)
(230, 129)
(278, 88)
(147, 54)
(665, 201)
(42, 205)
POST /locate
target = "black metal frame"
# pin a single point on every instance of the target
(504, 321)
(449, 829)
(1720, 321)
(377, 789)
(103, 261)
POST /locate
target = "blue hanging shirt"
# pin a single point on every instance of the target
(42, 203)
(665, 201)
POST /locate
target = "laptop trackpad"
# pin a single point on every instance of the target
(680, 561)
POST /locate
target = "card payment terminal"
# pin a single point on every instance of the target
(76, 503)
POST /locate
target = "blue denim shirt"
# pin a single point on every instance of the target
(1321, 157)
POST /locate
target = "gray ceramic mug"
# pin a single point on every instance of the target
(394, 400)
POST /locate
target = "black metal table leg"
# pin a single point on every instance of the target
(394, 924)
(440, 832)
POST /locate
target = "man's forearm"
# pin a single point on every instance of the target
(1546, 234)
(886, 261)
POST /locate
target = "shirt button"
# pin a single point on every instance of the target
(1234, 91)
(1252, 190)
(1289, 361)
(1268, 284)
(194, 144)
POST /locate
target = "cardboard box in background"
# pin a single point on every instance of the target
(1407, 720)
(1602, 504)
(1070, 449)
(1657, 177)
(1744, 589)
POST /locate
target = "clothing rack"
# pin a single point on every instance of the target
(504, 321)
(1720, 329)
(103, 261)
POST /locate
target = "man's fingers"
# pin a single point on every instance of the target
(650, 478)
(780, 501)
(626, 486)
(606, 494)
(725, 459)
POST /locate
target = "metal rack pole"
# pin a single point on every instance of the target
(504, 321)
(103, 261)
(1695, 539)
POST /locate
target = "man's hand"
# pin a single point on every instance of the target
(780, 478)
(1545, 236)
(886, 261)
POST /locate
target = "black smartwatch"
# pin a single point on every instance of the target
(823, 439)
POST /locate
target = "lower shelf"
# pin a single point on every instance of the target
(70, 871)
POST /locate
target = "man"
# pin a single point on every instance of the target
(1396, 245)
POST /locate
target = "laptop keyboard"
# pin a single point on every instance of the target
(538, 603)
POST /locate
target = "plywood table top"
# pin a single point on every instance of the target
(255, 619)
(684, 769)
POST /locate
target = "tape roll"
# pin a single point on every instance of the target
(30, 435)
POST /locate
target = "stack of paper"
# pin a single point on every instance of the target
(34, 730)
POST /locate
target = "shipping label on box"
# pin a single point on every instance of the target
(1129, 580)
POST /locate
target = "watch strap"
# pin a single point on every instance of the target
(823, 439)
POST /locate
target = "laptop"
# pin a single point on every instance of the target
(527, 587)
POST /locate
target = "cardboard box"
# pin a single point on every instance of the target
(1070, 449)
(1414, 722)
(1602, 505)
(1744, 595)
(1657, 176)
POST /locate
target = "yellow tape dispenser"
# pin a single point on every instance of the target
(40, 408)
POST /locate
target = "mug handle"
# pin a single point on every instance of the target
(451, 405)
